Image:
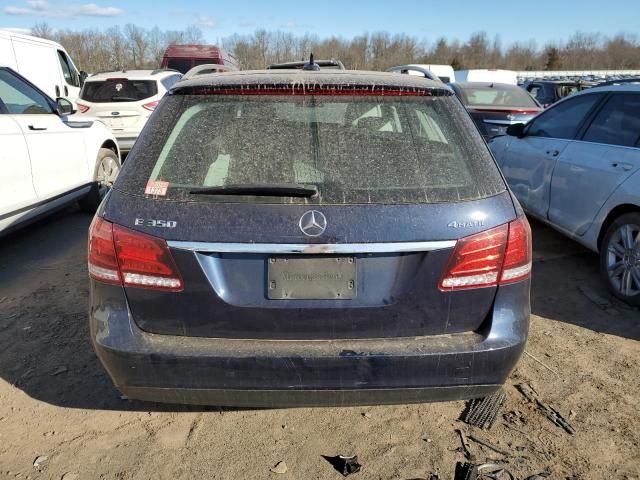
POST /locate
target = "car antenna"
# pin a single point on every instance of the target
(311, 66)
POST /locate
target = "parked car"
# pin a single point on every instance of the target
(43, 62)
(443, 72)
(495, 106)
(48, 159)
(576, 167)
(331, 64)
(184, 57)
(305, 237)
(124, 100)
(547, 92)
(487, 75)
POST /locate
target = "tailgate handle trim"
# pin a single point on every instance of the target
(276, 248)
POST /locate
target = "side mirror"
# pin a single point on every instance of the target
(64, 107)
(516, 130)
(83, 77)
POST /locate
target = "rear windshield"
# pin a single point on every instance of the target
(498, 97)
(366, 149)
(118, 90)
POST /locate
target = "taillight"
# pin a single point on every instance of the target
(497, 256)
(82, 108)
(151, 105)
(103, 263)
(121, 256)
(517, 257)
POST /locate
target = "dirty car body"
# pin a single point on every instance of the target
(291, 238)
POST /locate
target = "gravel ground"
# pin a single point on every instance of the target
(57, 402)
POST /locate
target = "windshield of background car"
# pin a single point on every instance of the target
(118, 90)
(361, 149)
(498, 97)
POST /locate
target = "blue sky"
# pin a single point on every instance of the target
(540, 20)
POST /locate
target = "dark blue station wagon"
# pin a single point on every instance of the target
(294, 237)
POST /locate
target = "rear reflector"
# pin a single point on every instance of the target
(497, 256)
(82, 108)
(121, 256)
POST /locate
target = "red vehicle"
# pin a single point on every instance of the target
(185, 57)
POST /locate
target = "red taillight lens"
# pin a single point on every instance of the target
(500, 255)
(122, 256)
(517, 257)
(151, 105)
(476, 260)
(82, 108)
(103, 263)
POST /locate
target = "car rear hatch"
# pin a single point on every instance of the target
(310, 216)
(496, 106)
(121, 103)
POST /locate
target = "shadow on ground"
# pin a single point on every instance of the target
(563, 270)
(44, 337)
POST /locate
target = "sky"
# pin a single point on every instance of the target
(514, 20)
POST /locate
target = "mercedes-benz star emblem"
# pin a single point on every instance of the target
(313, 223)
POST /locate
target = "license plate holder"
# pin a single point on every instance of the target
(311, 277)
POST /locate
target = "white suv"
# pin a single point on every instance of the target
(124, 100)
(47, 157)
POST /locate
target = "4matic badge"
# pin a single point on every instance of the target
(467, 224)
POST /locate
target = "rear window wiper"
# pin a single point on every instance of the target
(261, 189)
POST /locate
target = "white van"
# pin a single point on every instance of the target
(44, 63)
(487, 75)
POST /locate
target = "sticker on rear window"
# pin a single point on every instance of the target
(156, 187)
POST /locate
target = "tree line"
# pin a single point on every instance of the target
(131, 46)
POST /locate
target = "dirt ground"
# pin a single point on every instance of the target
(57, 402)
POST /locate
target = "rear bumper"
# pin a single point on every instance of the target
(268, 373)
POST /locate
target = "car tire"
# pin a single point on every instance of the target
(620, 258)
(106, 171)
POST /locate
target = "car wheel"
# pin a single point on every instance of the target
(620, 258)
(107, 168)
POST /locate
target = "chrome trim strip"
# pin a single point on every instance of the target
(504, 122)
(339, 248)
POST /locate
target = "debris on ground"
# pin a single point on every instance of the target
(541, 362)
(70, 476)
(489, 445)
(485, 471)
(40, 461)
(482, 412)
(279, 468)
(466, 448)
(366, 415)
(344, 464)
(551, 413)
(59, 370)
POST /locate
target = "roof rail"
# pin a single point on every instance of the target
(622, 81)
(109, 71)
(160, 70)
(407, 68)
